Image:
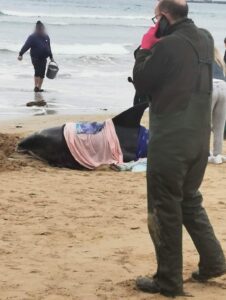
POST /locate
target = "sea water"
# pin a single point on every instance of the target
(93, 43)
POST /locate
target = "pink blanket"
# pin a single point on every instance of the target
(94, 150)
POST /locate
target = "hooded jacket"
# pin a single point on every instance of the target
(39, 46)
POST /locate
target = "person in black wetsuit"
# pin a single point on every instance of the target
(40, 50)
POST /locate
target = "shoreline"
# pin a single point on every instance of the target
(36, 123)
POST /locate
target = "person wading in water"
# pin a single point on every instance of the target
(40, 50)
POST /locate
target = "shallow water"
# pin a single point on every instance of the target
(93, 45)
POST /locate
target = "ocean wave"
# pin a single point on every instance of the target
(78, 23)
(5, 50)
(72, 16)
(47, 22)
(79, 49)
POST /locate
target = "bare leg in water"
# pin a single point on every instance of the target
(40, 83)
(36, 81)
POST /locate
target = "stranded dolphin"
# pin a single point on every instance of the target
(51, 146)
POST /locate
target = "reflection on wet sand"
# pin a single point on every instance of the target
(38, 101)
(41, 103)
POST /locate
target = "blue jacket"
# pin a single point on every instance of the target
(39, 45)
(218, 72)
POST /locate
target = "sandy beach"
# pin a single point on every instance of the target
(83, 235)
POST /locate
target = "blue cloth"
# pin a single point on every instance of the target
(143, 140)
(88, 127)
(218, 72)
(39, 45)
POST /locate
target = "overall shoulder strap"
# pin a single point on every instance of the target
(204, 55)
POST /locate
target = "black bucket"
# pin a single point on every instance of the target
(52, 70)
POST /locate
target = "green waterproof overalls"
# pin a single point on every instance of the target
(178, 154)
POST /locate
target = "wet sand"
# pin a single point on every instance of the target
(83, 235)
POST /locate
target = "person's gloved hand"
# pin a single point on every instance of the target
(150, 39)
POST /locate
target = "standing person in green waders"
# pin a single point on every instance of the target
(174, 68)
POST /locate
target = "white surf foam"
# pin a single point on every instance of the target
(59, 15)
(77, 49)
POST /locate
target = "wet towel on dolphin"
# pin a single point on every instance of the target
(94, 150)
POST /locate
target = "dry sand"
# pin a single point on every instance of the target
(83, 235)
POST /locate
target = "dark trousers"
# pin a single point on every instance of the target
(39, 66)
(174, 200)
